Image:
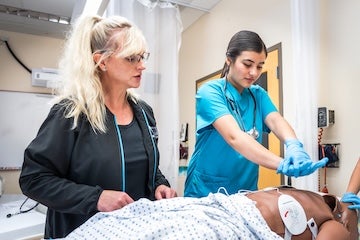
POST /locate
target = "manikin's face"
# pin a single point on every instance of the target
(246, 69)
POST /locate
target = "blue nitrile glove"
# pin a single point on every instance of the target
(297, 162)
(296, 157)
(313, 167)
(287, 169)
(351, 198)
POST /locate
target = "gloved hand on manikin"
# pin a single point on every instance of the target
(297, 162)
(351, 198)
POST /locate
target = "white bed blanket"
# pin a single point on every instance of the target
(216, 216)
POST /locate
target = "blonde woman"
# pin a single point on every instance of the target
(97, 149)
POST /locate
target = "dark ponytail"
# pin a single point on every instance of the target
(243, 41)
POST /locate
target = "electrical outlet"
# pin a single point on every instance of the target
(331, 116)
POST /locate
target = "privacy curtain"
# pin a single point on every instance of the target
(305, 38)
(161, 25)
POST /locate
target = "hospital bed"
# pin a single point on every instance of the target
(217, 216)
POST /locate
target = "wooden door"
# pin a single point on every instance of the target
(271, 80)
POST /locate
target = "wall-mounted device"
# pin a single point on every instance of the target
(331, 151)
(184, 132)
(44, 77)
(326, 117)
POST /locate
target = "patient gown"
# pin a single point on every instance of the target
(217, 216)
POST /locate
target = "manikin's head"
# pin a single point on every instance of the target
(343, 215)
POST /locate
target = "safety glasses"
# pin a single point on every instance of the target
(134, 59)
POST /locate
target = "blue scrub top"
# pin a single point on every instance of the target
(215, 163)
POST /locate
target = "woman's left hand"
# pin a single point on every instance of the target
(297, 162)
(163, 191)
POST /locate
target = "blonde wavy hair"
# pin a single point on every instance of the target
(81, 84)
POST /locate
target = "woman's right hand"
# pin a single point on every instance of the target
(110, 200)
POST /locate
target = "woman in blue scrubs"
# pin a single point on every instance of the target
(231, 115)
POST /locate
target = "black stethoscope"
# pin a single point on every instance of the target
(253, 132)
(21, 210)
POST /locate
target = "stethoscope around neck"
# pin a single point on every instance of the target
(253, 132)
(153, 136)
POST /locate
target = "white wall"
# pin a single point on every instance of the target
(341, 83)
(203, 52)
(34, 52)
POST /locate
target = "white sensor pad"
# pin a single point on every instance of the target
(292, 214)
